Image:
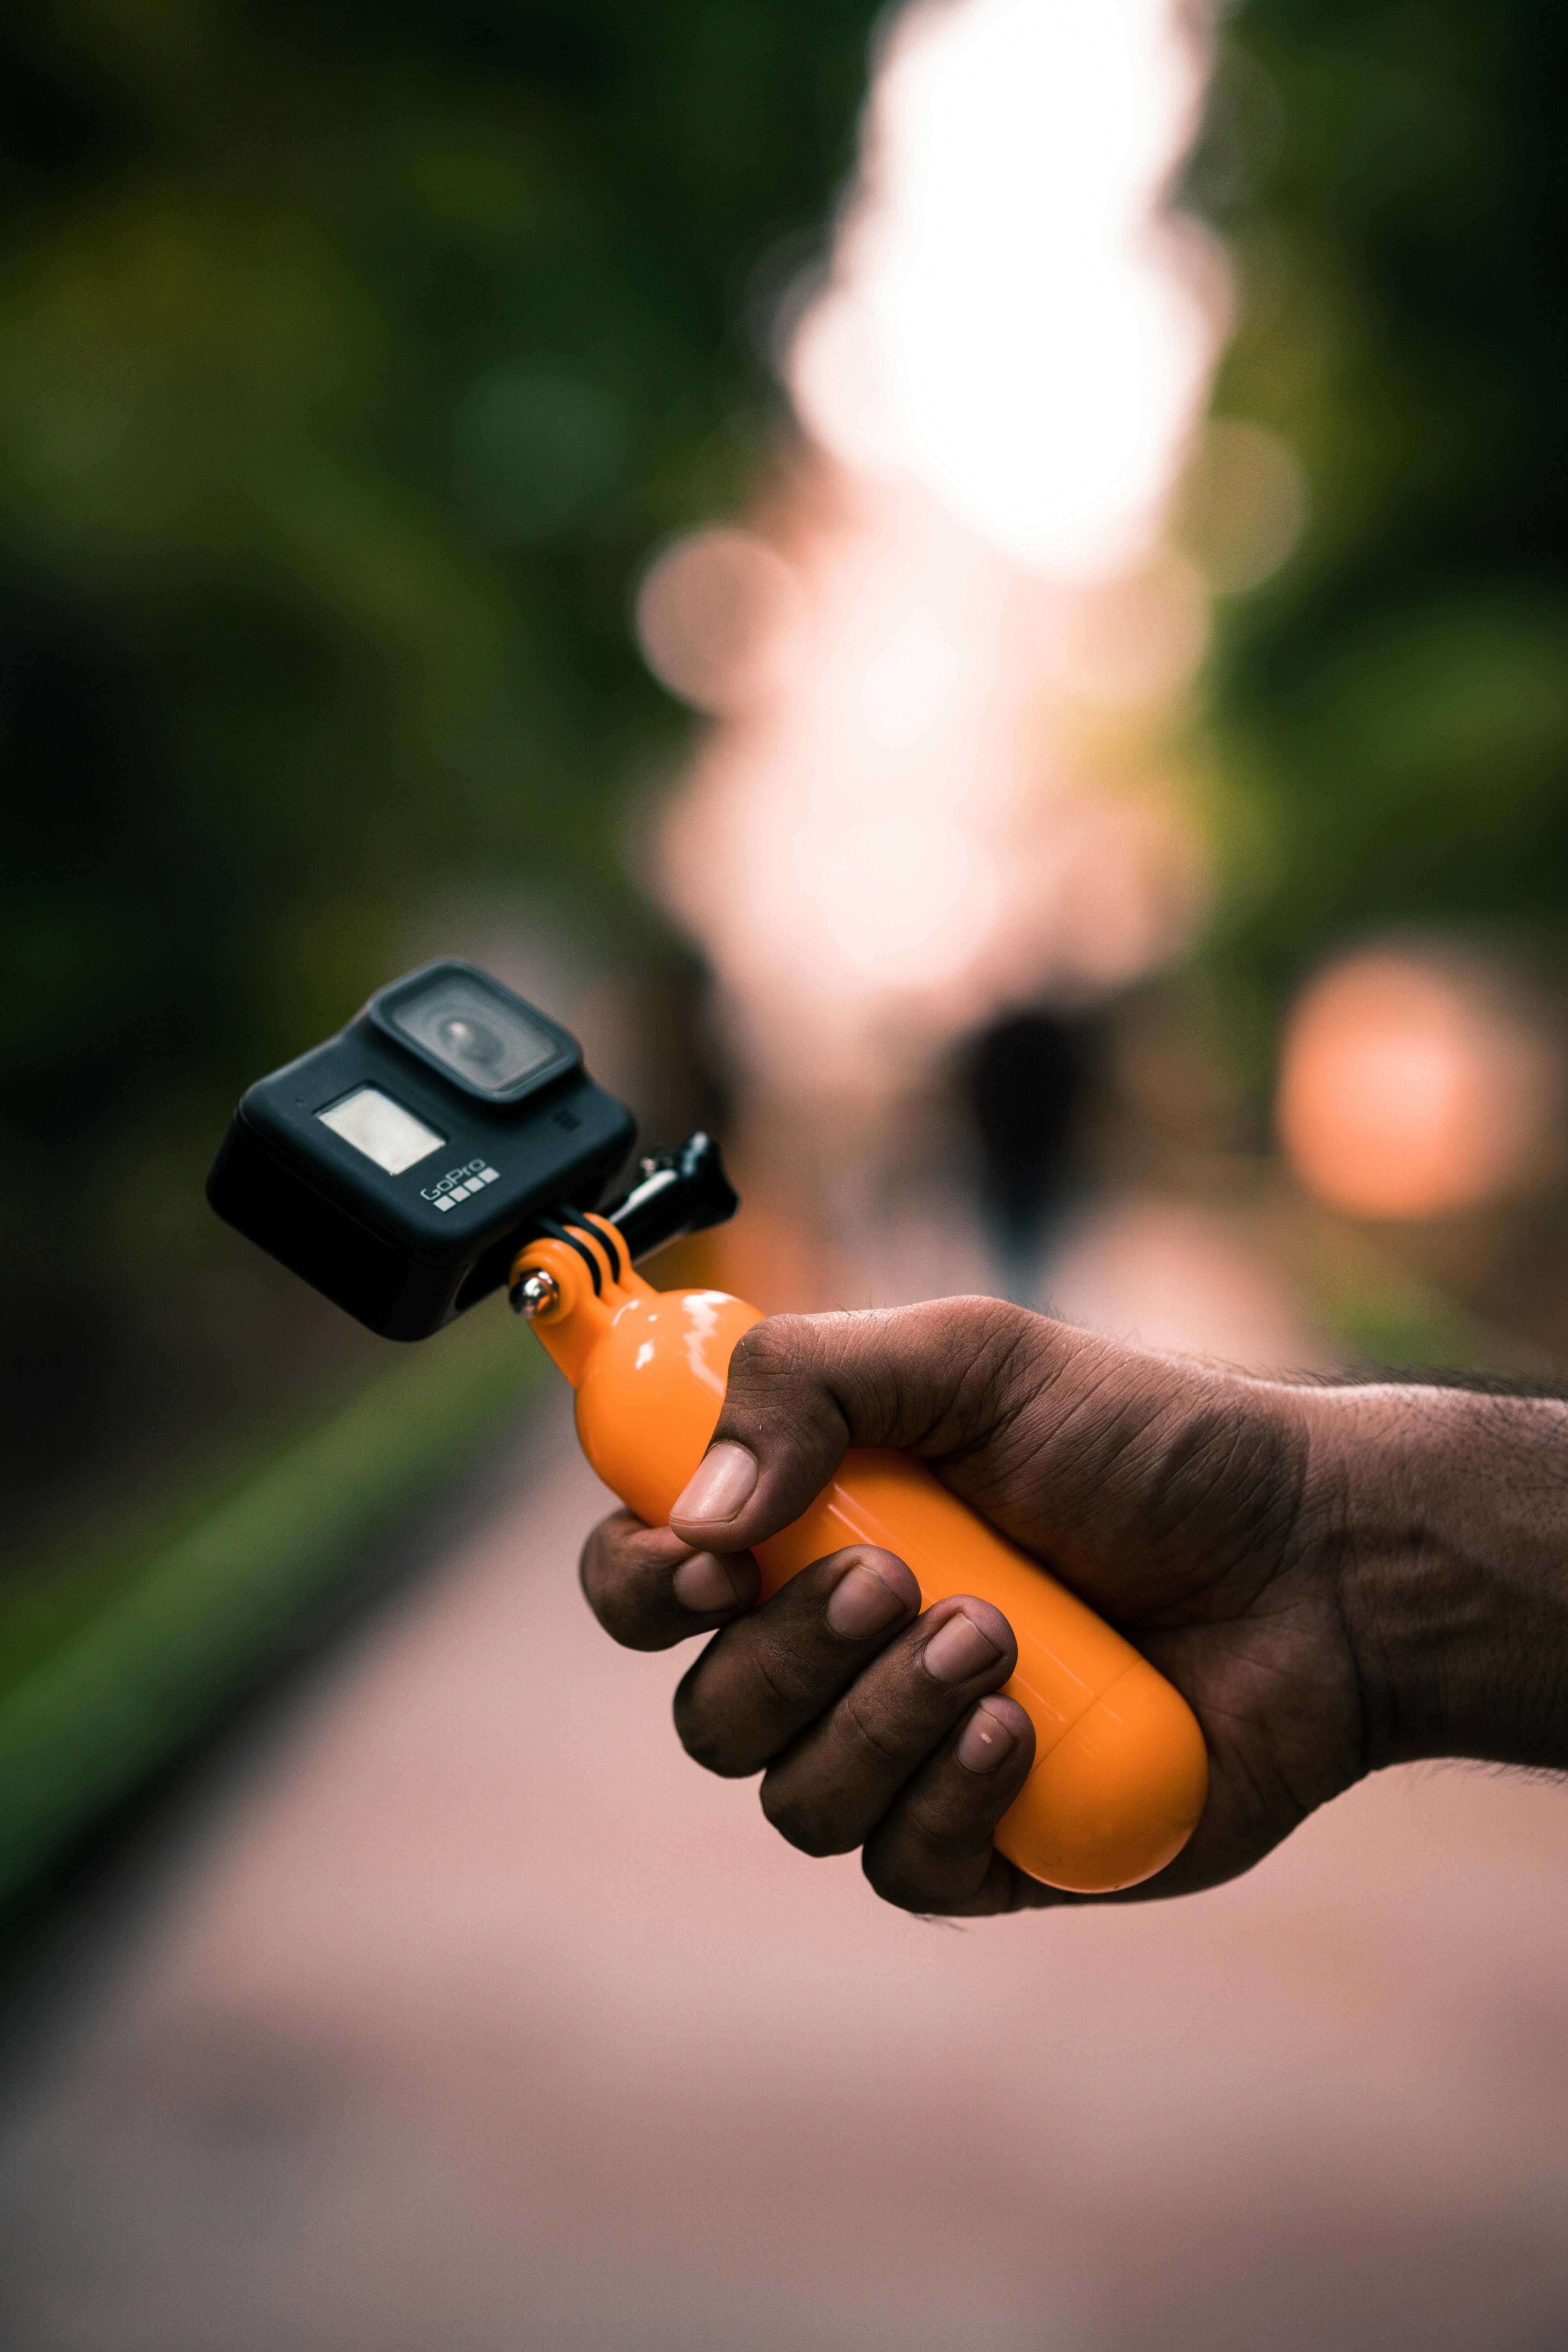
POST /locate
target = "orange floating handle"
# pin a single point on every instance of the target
(1121, 1772)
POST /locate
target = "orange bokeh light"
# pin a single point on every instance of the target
(718, 620)
(1414, 1088)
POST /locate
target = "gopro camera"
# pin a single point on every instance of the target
(400, 1167)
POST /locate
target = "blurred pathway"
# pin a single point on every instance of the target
(482, 2020)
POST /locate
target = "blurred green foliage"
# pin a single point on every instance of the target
(351, 360)
(1394, 704)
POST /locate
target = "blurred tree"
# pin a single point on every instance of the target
(1394, 703)
(351, 359)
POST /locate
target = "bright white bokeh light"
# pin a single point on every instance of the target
(946, 654)
(910, 900)
(1013, 320)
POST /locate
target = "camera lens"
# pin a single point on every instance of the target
(489, 1041)
(471, 1045)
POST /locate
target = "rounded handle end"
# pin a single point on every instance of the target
(1118, 1796)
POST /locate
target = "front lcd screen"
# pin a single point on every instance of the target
(381, 1130)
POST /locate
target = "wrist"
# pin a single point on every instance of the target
(1445, 1514)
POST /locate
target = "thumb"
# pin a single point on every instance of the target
(941, 1379)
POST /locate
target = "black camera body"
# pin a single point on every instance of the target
(399, 1167)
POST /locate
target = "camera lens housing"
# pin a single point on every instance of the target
(471, 1029)
(398, 1167)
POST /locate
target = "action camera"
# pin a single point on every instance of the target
(399, 1167)
(449, 1141)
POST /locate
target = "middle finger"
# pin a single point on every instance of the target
(828, 1791)
(761, 1681)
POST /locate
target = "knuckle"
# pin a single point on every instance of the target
(779, 1346)
(641, 1631)
(865, 1723)
(703, 1731)
(1002, 1368)
(709, 1745)
(625, 1612)
(608, 1556)
(779, 1380)
(791, 1682)
(895, 1875)
(594, 1566)
(931, 1828)
(614, 1537)
(928, 1862)
(797, 1821)
(608, 1603)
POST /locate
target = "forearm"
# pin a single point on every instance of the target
(1446, 1514)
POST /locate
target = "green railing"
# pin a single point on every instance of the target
(120, 1680)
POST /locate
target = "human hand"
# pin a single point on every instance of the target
(1250, 1536)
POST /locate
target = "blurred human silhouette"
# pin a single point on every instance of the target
(1022, 1081)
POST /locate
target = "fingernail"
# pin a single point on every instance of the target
(958, 1650)
(861, 1604)
(986, 1741)
(722, 1482)
(704, 1583)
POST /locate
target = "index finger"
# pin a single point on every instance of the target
(650, 1591)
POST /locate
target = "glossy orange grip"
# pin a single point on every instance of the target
(1121, 1772)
